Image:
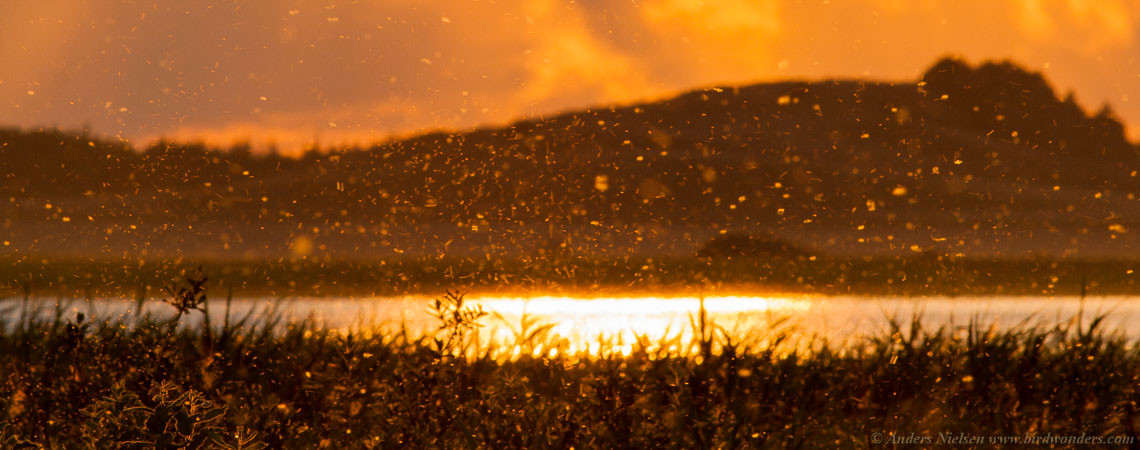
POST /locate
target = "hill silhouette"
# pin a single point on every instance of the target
(972, 160)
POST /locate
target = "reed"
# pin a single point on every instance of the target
(243, 382)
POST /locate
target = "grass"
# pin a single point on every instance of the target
(81, 382)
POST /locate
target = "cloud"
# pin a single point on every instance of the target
(341, 71)
(730, 39)
(745, 22)
(566, 61)
(1082, 25)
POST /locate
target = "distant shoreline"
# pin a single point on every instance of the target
(917, 276)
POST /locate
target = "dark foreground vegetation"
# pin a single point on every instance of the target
(75, 382)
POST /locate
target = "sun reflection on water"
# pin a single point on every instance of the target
(545, 325)
(620, 324)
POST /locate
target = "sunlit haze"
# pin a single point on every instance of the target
(299, 72)
(569, 223)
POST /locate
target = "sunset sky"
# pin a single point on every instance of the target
(295, 71)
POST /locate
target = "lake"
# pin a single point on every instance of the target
(584, 323)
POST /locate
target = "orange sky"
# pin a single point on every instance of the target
(294, 71)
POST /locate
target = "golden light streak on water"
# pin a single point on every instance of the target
(619, 323)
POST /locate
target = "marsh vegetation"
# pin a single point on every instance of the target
(228, 382)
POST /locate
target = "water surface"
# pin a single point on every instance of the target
(584, 323)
